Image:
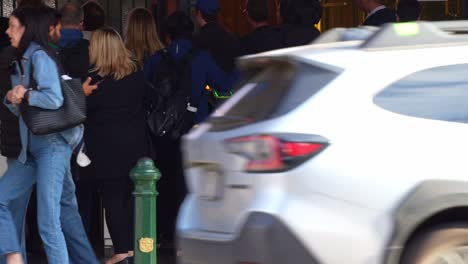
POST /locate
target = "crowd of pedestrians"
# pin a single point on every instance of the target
(44, 160)
(130, 84)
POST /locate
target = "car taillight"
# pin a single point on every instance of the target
(269, 153)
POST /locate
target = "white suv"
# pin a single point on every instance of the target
(339, 152)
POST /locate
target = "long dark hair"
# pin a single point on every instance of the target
(36, 24)
(4, 40)
(94, 16)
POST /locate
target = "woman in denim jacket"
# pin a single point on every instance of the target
(44, 160)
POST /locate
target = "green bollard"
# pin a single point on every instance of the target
(145, 175)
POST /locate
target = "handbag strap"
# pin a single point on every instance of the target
(32, 82)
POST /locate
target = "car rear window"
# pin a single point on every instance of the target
(439, 93)
(274, 91)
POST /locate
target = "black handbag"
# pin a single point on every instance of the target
(45, 121)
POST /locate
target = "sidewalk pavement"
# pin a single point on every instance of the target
(162, 259)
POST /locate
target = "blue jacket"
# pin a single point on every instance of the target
(70, 37)
(204, 72)
(48, 94)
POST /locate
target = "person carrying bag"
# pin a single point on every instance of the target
(44, 159)
(45, 121)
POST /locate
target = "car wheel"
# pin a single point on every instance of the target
(442, 245)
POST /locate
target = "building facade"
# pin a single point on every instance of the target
(336, 13)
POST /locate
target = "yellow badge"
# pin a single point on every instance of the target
(146, 244)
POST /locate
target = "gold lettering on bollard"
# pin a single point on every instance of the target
(146, 244)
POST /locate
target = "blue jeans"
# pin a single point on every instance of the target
(48, 165)
(18, 209)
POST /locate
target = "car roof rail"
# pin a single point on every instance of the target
(345, 34)
(453, 26)
(417, 34)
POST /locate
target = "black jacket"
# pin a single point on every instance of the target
(10, 144)
(75, 59)
(380, 17)
(298, 35)
(223, 46)
(115, 128)
(261, 39)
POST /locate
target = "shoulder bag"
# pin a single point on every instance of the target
(46, 121)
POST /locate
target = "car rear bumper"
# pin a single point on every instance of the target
(263, 239)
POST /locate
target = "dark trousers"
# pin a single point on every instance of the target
(171, 186)
(118, 202)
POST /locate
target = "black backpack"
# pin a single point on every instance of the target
(170, 112)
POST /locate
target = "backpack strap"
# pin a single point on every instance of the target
(189, 57)
(165, 54)
(185, 60)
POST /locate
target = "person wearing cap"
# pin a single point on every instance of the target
(204, 71)
(377, 13)
(223, 46)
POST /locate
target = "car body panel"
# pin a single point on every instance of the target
(347, 197)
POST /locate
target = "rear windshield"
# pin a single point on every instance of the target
(274, 91)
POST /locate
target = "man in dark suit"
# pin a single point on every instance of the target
(377, 13)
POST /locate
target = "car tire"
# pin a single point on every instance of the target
(446, 244)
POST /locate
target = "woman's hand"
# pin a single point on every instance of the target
(16, 95)
(10, 97)
(87, 88)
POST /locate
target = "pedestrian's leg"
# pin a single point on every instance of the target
(85, 193)
(18, 209)
(166, 161)
(52, 164)
(15, 186)
(118, 204)
(33, 240)
(79, 248)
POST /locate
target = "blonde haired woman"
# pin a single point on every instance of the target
(115, 135)
(142, 37)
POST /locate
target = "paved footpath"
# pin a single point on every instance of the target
(162, 259)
